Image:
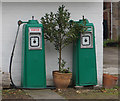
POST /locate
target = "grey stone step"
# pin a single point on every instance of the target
(43, 94)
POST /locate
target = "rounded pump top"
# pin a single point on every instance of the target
(33, 21)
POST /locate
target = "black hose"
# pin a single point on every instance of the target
(11, 58)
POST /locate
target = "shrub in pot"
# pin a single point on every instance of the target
(59, 30)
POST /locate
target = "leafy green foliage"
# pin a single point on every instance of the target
(110, 43)
(60, 31)
(63, 69)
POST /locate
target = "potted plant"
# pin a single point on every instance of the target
(109, 81)
(60, 31)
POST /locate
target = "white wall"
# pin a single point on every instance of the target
(0, 50)
(12, 12)
(0, 35)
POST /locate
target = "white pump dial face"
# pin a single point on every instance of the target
(34, 41)
(35, 38)
(86, 40)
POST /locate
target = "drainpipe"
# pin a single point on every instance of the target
(111, 23)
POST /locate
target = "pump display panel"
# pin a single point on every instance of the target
(34, 41)
(87, 40)
(35, 38)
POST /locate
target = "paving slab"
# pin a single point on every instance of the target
(111, 69)
(44, 94)
(110, 60)
(110, 56)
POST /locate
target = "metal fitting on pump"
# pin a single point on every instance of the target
(20, 22)
(32, 17)
(83, 17)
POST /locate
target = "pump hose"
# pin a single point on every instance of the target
(11, 58)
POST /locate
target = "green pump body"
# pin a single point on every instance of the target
(33, 74)
(84, 57)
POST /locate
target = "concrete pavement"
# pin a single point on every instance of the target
(44, 94)
(110, 60)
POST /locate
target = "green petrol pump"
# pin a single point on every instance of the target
(84, 57)
(33, 73)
